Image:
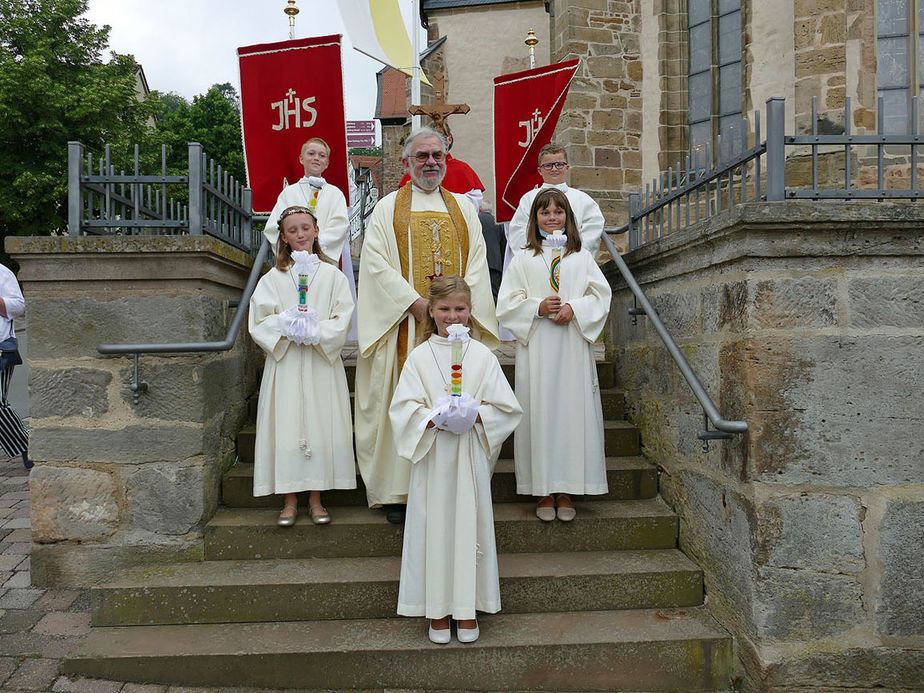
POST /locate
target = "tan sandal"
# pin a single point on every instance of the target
(319, 514)
(565, 513)
(546, 513)
(285, 518)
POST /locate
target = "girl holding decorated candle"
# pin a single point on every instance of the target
(555, 300)
(451, 410)
(300, 316)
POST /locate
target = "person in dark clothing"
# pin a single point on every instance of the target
(496, 245)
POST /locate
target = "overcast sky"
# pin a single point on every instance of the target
(186, 46)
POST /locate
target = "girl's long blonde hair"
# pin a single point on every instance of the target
(543, 200)
(444, 286)
(284, 252)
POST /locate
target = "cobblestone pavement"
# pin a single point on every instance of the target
(37, 627)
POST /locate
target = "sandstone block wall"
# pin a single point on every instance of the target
(806, 321)
(117, 483)
(601, 122)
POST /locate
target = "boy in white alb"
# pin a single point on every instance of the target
(326, 201)
(553, 167)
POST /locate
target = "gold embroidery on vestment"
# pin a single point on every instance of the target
(402, 227)
(435, 247)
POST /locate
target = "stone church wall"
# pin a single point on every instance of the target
(803, 319)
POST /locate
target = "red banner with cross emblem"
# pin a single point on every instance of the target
(291, 91)
(526, 109)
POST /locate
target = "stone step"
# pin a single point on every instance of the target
(606, 372)
(251, 533)
(634, 650)
(325, 588)
(628, 478)
(620, 439)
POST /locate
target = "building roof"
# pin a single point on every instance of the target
(391, 97)
(372, 164)
(429, 5)
(391, 88)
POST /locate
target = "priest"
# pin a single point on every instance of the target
(460, 177)
(418, 232)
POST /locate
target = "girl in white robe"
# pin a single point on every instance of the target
(449, 559)
(304, 439)
(558, 447)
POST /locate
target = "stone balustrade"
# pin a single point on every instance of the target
(116, 483)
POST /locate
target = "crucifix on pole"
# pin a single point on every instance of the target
(439, 110)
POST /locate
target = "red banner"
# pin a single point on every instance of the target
(526, 109)
(290, 92)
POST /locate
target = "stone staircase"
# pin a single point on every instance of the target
(604, 603)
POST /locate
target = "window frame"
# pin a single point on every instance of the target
(716, 69)
(913, 86)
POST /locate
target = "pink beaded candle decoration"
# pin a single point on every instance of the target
(455, 369)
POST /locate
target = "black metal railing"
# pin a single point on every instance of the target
(105, 200)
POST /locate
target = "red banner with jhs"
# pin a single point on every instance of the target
(527, 106)
(291, 91)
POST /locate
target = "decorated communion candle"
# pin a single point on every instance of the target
(557, 241)
(455, 372)
(303, 292)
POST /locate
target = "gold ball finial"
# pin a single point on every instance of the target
(531, 39)
(291, 10)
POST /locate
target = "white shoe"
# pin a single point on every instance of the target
(440, 637)
(468, 634)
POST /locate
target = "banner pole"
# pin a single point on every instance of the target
(415, 43)
(291, 10)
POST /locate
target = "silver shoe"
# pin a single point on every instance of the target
(319, 514)
(287, 520)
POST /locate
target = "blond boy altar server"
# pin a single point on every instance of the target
(325, 200)
(418, 232)
(553, 167)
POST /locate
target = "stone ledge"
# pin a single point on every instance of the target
(83, 565)
(61, 265)
(789, 229)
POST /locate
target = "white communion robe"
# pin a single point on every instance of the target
(385, 295)
(449, 559)
(333, 217)
(587, 214)
(558, 447)
(304, 438)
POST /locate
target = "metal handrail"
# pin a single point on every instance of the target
(139, 386)
(724, 427)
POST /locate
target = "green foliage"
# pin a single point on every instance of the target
(55, 87)
(366, 151)
(211, 119)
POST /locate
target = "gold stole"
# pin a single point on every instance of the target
(401, 225)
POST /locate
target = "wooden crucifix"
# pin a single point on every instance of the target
(439, 110)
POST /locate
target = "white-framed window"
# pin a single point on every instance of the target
(714, 75)
(899, 61)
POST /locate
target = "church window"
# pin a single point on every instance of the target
(900, 60)
(714, 77)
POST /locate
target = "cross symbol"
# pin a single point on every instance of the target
(439, 110)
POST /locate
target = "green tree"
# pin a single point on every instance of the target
(212, 120)
(55, 87)
(366, 151)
